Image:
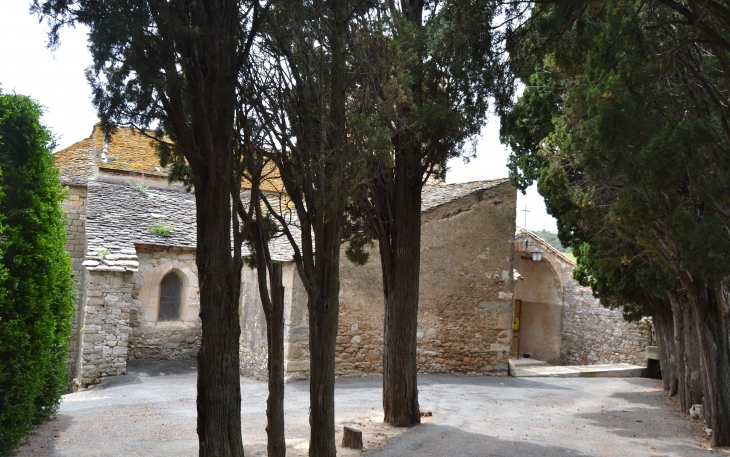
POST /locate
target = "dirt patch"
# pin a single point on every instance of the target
(375, 433)
(40, 441)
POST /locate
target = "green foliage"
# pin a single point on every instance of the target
(139, 187)
(621, 127)
(36, 285)
(527, 124)
(271, 228)
(162, 228)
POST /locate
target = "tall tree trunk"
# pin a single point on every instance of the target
(400, 284)
(689, 375)
(219, 383)
(712, 318)
(400, 251)
(324, 309)
(664, 325)
(276, 446)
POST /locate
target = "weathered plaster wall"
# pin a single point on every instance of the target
(466, 284)
(151, 339)
(253, 350)
(540, 291)
(75, 208)
(296, 326)
(105, 327)
(254, 346)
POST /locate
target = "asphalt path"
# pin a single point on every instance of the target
(151, 412)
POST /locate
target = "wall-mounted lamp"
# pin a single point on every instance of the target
(536, 254)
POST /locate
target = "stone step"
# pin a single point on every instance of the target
(611, 370)
(522, 362)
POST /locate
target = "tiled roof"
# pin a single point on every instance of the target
(440, 194)
(118, 217)
(128, 151)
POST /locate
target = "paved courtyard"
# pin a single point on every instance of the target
(151, 412)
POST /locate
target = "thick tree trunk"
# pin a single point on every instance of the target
(400, 284)
(712, 318)
(219, 384)
(689, 375)
(324, 309)
(276, 446)
(664, 325)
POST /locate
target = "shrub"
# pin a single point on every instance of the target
(36, 283)
(139, 187)
(162, 228)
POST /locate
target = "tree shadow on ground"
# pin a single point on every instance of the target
(431, 440)
(653, 399)
(433, 380)
(660, 426)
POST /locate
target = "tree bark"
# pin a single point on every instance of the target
(664, 325)
(689, 375)
(219, 384)
(401, 258)
(276, 446)
(324, 309)
(712, 311)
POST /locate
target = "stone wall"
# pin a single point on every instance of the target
(590, 333)
(75, 208)
(254, 346)
(105, 327)
(595, 334)
(466, 284)
(465, 305)
(151, 339)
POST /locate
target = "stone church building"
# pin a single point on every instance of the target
(131, 236)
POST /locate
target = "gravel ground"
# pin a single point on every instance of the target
(151, 412)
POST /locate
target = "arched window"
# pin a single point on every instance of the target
(170, 298)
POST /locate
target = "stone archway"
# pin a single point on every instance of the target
(539, 298)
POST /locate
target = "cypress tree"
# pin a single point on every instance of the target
(36, 284)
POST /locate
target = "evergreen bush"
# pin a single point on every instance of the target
(36, 282)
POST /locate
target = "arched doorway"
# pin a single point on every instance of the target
(539, 306)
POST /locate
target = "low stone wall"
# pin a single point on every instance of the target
(105, 329)
(153, 340)
(595, 334)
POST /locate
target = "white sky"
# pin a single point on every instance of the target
(56, 80)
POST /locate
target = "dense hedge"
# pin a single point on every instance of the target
(36, 284)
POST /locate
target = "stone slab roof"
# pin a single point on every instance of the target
(440, 194)
(119, 217)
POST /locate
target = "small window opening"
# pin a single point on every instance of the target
(170, 298)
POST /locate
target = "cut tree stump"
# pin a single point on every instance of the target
(352, 438)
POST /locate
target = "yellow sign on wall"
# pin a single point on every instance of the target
(516, 323)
